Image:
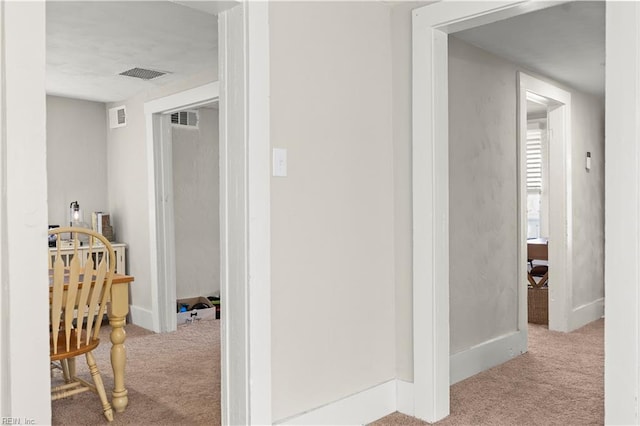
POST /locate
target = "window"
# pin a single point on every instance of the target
(536, 171)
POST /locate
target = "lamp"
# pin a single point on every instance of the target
(75, 214)
(76, 220)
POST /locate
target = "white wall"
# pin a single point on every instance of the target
(128, 186)
(196, 183)
(76, 157)
(333, 331)
(482, 99)
(24, 361)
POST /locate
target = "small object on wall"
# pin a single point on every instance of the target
(588, 162)
(117, 117)
(279, 162)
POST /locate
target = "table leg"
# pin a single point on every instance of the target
(117, 320)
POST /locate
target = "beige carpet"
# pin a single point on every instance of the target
(172, 379)
(560, 381)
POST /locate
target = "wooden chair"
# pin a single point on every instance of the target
(538, 251)
(78, 299)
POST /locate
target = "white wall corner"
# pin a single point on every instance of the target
(589, 312)
(357, 409)
(486, 355)
(404, 398)
(142, 317)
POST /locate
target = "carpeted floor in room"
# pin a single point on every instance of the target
(560, 381)
(174, 379)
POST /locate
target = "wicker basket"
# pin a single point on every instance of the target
(538, 305)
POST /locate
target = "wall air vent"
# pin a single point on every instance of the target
(117, 117)
(142, 73)
(185, 118)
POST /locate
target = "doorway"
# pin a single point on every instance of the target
(556, 198)
(162, 212)
(431, 26)
(196, 183)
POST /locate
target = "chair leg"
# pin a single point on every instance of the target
(68, 369)
(97, 380)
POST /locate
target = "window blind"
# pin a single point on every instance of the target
(534, 161)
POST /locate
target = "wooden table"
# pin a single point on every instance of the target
(538, 249)
(117, 312)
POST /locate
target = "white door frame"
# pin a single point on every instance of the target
(622, 214)
(558, 103)
(160, 178)
(245, 267)
(246, 213)
(431, 26)
(25, 383)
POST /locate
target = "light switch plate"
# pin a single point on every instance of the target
(279, 162)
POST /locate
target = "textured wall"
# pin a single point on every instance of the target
(588, 198)
(76, 157)
(196, 183)
(482, 90)
(333, 328)
(483, 216)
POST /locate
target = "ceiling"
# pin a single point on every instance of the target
(89, 43)
(565, 43)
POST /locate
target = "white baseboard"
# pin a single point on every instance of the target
(404, 397)
(357, 409)
(486, 355)
(398, 395)
(583, 315)
(141, 317)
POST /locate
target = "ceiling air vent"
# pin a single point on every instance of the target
(185, 118)
(117, 117)
(142, 73)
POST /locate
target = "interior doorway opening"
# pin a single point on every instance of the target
(184, 193)
(195, 173)
(432, 25)
(545, 209)
(537, 184)
(162, 209)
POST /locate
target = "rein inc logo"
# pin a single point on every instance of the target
(16, 421)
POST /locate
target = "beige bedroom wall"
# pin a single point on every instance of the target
(333, 331)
